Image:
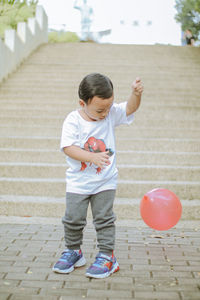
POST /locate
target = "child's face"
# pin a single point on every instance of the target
(98, 108)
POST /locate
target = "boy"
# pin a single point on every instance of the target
(88, 140)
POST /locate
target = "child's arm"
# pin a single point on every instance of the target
(101, 159)
(135, 97)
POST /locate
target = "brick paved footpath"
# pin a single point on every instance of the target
(154, 265)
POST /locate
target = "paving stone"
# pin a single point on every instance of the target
(63, 292)
(2, 275)
(119, 279)
(190, 281)
(116, 298)
(6, 263)
(151, 268)
(65, 277)
(33, 297)
(10, 269)
(12, 283)
(193, 295)
(157, 295)
(19, 290)
(141, 276)
(172, 274)
(143, 288)
(177, 288)
(94, 284)
(78, 298)
(21, 276)
(187, 268)
(4, 296)
(109, 293)
(41, 284)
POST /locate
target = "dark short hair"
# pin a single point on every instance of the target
(95, 84)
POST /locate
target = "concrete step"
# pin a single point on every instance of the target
(159, 132)
(12, 100)
(166, 113)
(124, 208)
(115, 70)
(62, 86)
(56, 121)
(159, 158)
(73, 77)
(72, 73)
(136, 144)
(114, 61)
(65, 72)
(31, 156)
(126, 171)
(161, 148)
(163, 50)
(38, 103)
(76, 61)
(135, 131)
(55, 71)
(41, 121)
(55, 187)
(123, 157)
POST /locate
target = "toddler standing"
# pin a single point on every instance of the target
(88, 140)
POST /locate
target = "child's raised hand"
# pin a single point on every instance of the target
(137, 87)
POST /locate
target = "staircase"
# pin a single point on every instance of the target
(160, 149)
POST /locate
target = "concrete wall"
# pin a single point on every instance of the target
(19, 44)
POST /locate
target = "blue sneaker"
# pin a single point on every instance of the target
(69, 260)
(103, 266)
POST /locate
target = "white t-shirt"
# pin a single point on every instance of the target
(97, 136)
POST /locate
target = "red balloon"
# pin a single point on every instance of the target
(160, 209)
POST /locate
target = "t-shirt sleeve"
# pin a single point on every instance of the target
(118, 114)
(70, 132)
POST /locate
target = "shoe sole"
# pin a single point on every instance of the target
(113, 270)
(81, 262)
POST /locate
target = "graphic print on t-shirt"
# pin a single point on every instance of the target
(95, 145)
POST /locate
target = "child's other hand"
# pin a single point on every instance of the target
(100, 159)
(137, 87)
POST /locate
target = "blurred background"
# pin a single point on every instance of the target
(121, 21)
(160, 150)
(173, 22)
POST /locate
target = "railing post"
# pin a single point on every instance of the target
(18, 45)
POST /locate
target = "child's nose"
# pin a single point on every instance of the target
(105, 113)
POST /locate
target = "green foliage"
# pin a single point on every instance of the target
(188, 14)
(62, 37)
(3, 27)
(13, 12)
(11, 2)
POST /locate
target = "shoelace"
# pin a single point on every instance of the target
(67, 254)
(101, 261)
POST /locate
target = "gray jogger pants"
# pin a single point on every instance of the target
(103, 218)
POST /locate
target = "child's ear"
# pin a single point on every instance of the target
(82, 103)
